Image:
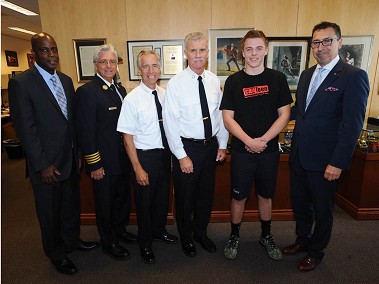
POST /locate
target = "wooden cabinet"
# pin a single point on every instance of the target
(358, 192)
(221, 206)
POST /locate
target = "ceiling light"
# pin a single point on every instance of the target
(22, 30)
(17, 8)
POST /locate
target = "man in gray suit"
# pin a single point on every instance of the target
(41, 103)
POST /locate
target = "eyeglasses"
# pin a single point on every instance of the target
(45, 50)
(105, 62)
(324, 42)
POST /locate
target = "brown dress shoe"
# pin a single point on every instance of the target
(294, 249)
(308, 264)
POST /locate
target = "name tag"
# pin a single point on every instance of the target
(112, 108)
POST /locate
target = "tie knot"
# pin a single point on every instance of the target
(200, 78)
(155, 93)
(53, 79)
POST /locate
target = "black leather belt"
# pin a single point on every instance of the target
(152, 150)
(200, 141)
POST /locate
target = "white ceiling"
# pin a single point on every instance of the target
(10, 18)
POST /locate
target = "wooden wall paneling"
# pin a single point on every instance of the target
(274, 18)
(80, 20)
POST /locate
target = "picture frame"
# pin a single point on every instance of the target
(356, 50)
(289, 55)
(171, 54)
(84, 50)
(11, 57)
(221, 40)
(30, 58)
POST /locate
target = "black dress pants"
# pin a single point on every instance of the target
(194, 192)
(109, 195)
(312, 201)
(152, 201)
(58, 212)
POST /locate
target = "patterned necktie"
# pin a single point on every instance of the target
(205, 110)
(159, 111)
(59, 96)
(315, 85)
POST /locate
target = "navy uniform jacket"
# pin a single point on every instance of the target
(327, 132)
(98, 109)
(47, 137)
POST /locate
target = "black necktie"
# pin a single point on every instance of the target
(205, 110)
(113, 88)
(159, 111)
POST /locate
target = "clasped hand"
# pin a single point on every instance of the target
(256, 145)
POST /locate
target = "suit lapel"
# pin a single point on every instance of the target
(45, 90)
(107, 91)
(304, 88)
(332, 76)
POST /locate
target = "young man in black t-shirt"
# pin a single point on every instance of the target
(255, 107)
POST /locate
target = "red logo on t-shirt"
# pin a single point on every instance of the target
(255, 91)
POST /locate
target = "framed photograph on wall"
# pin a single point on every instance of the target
(289, 55)
(171, 53)
(84, 50)
(11, 57)
(356, 50)
(225, 56)
(30, 58)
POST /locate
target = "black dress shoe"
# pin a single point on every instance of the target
(65, 266)
(168, 238)
(206, 243)
(189, 248)
(84, 246)
(127, 237)
(147, 255)
(117, 252)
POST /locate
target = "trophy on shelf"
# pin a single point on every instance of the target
(288, 138)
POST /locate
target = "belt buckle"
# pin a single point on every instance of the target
(207, 141)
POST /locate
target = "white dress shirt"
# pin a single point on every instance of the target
(138, 117)
(182, 116)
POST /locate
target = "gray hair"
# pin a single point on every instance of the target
(146, 52)
(102, 48)
(195, 36)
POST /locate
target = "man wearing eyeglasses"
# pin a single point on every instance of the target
(330, 109)
(98, 108)
(41, 102)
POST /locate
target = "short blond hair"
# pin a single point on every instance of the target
(195, 36)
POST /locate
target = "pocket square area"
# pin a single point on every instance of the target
(331, 89)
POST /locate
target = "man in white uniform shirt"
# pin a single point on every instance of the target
(146, 145)
(197, 137)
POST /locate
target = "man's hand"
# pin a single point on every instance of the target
(332, 173)
(49, 174)
(256, 145)
(142, 177)
(221, 154)
(98, 174)
(186, 165)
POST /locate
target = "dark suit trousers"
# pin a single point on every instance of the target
(152, 201)
(194, 192)
(109, 195)
(312, 202)
(58, 211)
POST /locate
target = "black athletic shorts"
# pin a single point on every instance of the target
(258, 169)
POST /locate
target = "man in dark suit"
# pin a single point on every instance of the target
(330, 109)
(98, 108)
(41, 101)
